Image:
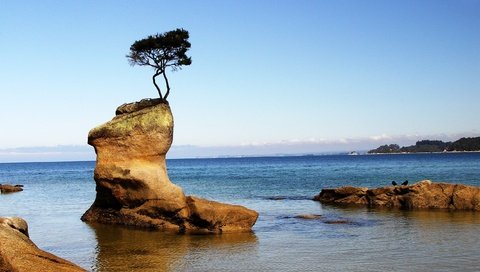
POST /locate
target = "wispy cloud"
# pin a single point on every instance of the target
(47, 153)
(307, 146)
(283, 147)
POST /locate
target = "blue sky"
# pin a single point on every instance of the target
(274, 76)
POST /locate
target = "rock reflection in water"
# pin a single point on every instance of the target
(124, 249)
(406, 240)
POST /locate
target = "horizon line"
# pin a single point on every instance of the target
(291, 147)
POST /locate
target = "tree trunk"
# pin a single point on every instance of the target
(168, 86)
(156, 86)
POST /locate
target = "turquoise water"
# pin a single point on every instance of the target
(57, 194)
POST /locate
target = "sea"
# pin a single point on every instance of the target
(56, 194)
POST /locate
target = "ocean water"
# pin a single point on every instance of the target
(57, 194)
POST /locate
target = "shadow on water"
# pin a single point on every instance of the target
(283, 197)
(126, 249)
(432, 216)
(401, 240)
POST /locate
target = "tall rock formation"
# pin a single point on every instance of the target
(132, 183)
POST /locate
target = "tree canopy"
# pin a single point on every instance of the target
(160, 52)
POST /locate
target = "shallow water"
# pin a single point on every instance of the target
(342, 239)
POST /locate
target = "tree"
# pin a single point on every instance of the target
(162, 51)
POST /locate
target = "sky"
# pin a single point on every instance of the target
(267, 77)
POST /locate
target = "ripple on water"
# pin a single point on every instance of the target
(56, 195)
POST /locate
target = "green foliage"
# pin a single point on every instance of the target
(426, 146)
(162, 51)
(393, 148)
(463, 144)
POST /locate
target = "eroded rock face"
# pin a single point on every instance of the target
(133, 187)
(19, 253)
(422, 195)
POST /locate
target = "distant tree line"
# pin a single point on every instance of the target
(463, 144)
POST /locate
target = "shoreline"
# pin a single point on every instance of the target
(443, 152)
(265, 156)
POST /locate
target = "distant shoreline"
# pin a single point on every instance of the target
(442, 152)
(269, 156)
(465, 144)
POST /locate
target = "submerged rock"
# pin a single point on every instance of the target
(276, 198)
(308, 216)
(19, 253)
(337, 222)
(422, 195)
(132, 183)
(7, 188)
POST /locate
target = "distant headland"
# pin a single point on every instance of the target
(431, 146)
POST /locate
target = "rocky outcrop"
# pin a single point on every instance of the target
(132, 184)
(422, 195)
(19, 253)
(7, 188)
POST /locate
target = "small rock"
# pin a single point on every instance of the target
(7, 188)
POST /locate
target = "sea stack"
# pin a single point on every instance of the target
(132, 183)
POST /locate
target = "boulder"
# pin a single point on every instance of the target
(347, 195)
(422, 195)
(206, 215)
(7, 188)
(132, 184)
(19, 253)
